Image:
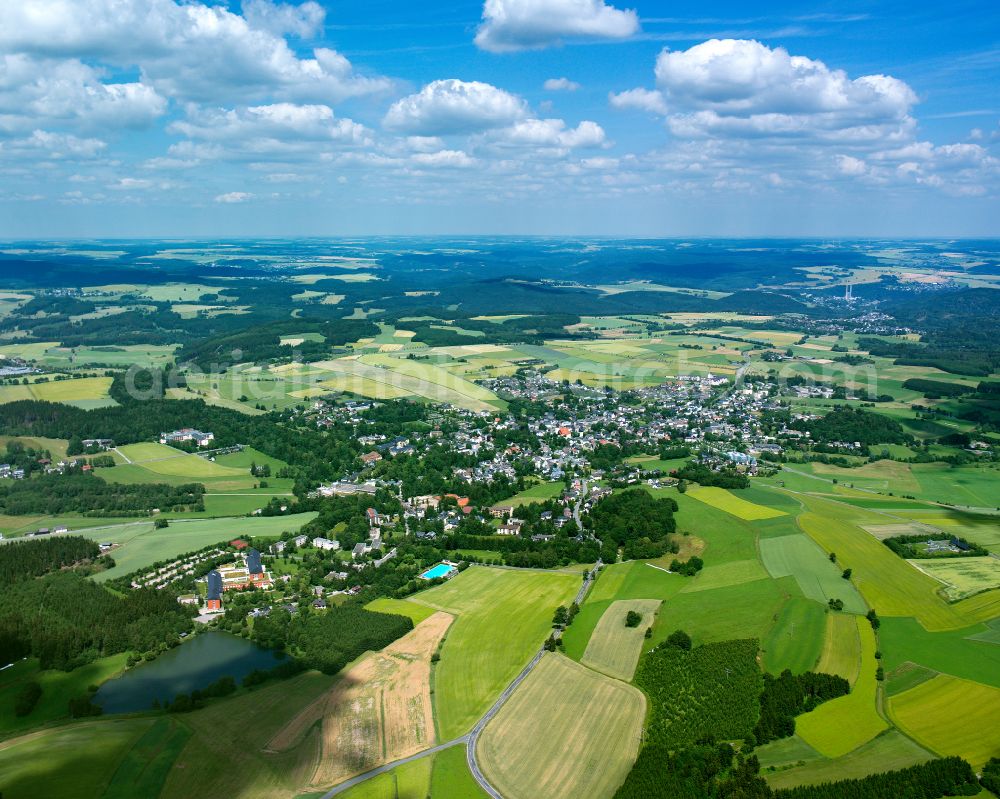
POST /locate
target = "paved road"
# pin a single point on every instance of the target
(389, 766)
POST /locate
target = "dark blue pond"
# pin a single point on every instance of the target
(195, 664)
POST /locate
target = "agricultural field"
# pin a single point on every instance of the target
(971, 653)
(820, 580)
(841, 652)
(146, 765)
(886, 752)
(962, 577)
(729, 502)
(563, 707)
(614, 648)
(888, 583)
(228, 751)
(83, 392)
(951, 716)
(476, 662)
(140, 544)
(796, 639)
(377, 712)
(843, 724)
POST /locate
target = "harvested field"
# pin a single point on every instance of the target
(378, 712)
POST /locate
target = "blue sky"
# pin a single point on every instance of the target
(579, 117)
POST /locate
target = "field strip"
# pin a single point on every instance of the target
(614, 648)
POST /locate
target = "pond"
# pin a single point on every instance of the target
(195, 664)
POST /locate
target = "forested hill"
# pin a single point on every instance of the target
(316, 456)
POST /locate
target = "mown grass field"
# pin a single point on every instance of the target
(402, 607)
(614, 648)
(145, 766)
(843, 724)
(730, 503)
(567, 732)
(955, 652)
(951, 716)
(819, 579)
(796, 639)
(141, 544)
(78, 761)
(503, 616)
(841, 651)
(86, 392)
(408, 781)
(536, 493)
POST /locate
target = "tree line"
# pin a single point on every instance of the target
(81, 492)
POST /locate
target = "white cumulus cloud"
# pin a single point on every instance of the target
(641, 100)
(560, 85)
(189, 50)
(454, 106)
(510, 25)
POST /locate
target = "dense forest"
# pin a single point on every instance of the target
(66, 620)
(634, 520)
(83, 492)
(330, 640)
(22, 560)
(712, 690)
(854, 424)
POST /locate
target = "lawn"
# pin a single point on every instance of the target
(729, 502)
(955, 652)
(841, 652)
(142, 545)
(503, 618)
(73, 762)
(566, 732)
(951, 716)
(796, 640)
(843, 724)
(536, 493)
(402, 607)
(886, 752)
(614, 648)
(819, 579)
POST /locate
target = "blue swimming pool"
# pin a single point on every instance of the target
(441, 570)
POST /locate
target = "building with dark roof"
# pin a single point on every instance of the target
(253, 562)
(214, 596)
